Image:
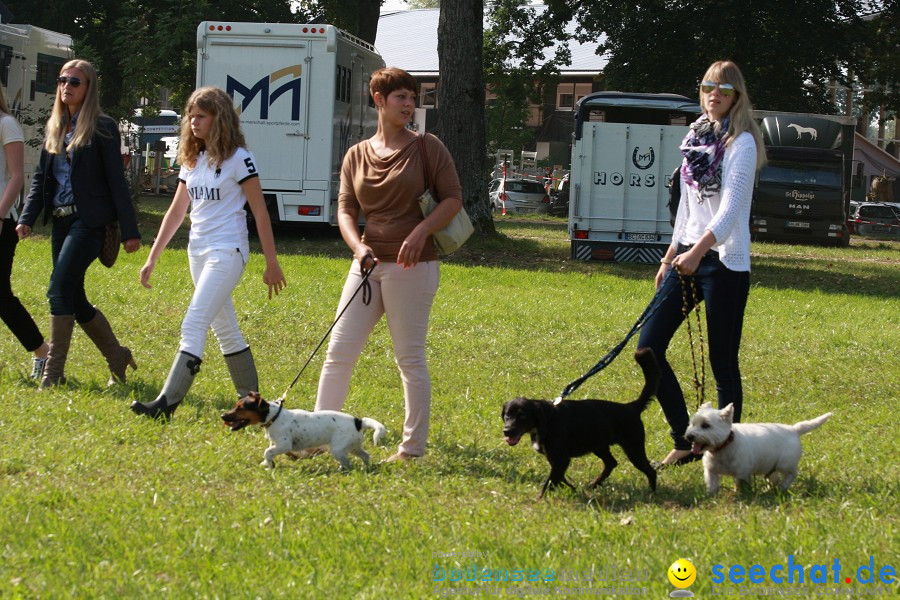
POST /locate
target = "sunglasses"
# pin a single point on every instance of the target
(73, 81)
(726, 89)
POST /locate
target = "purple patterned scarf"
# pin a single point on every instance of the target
(703, 149)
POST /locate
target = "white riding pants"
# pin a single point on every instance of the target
(215, 273)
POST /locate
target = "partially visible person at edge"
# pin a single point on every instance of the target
(218, 178)
(80, 182)
(12, 176)
(710, 247)
(383, 177)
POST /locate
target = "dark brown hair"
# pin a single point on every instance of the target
(385, 81)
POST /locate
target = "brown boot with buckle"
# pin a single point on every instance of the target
(118, 357)
(61, 327)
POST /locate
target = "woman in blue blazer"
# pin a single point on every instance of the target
(80, 183)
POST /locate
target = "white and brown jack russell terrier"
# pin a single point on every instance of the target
(291, 431)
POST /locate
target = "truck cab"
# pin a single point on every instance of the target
(803, 192)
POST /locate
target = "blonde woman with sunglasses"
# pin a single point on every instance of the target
(80, 183)
(710, 248)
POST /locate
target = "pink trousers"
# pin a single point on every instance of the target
(404, 296)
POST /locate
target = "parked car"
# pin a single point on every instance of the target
(559, 200)
(874, 218)
(519, 195)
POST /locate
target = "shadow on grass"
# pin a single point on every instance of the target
(536, 245)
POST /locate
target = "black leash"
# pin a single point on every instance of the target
(366, 288)
(612, 354)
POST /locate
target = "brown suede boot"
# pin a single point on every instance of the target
(117, 357)
(60, 337)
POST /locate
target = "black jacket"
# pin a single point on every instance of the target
(98, 184)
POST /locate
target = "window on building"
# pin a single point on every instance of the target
(567, 94)
(428, 95)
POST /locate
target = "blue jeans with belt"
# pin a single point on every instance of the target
(75, 246)
(725, 294)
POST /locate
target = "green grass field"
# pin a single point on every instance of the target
(97, 503)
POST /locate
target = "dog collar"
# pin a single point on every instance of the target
(721, 446)
(280, 405)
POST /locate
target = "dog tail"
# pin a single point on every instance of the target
(379, 429)
(807, 426)
(647, 360)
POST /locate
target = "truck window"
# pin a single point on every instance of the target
(806, 174)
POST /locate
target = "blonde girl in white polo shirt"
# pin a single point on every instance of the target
(218, 177)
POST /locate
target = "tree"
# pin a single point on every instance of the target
(140, 46)
(461, 98)
(788, 51)
(518, 68)
(358, 17)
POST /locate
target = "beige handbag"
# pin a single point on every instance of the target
(455, 234)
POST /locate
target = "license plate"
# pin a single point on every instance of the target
(798, 224)
(640, 237)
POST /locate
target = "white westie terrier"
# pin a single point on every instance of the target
(742, 450)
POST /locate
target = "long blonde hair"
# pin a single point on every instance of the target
(225, 134)
(4, 105)
(59, 121)
(741, 114)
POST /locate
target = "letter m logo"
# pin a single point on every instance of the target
(267, 96)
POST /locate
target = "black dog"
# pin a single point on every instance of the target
(574, 428)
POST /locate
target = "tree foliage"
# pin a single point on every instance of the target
(789, 51)
(140, 46)
(518, 67)
(876, 61)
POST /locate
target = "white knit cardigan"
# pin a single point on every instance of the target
(730, 207)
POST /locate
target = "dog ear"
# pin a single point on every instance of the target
(706, 405)
(727, 413)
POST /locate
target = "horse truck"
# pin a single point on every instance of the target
(802, 195)
(302, 92)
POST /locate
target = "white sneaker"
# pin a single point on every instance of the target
(37, 367)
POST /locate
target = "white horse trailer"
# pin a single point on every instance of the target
(303, 95)
(625, 149)
(30, 61)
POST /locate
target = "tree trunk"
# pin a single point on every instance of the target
(461, 103)
(368, 19)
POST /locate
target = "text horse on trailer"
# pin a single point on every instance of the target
(625, 149)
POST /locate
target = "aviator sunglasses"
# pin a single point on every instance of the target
(73, 81)
(726, 89)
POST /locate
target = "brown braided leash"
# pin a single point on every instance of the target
(699, 382)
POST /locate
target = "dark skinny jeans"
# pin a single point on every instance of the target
(75, 246)
(725, 294)
(12, 312)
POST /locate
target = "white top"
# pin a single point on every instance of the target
(218, 218)
(725, 212)
(9, 132)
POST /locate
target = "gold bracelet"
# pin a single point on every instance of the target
(665, 261)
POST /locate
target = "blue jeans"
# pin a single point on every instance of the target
(725, 293)
(75, 246)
